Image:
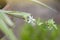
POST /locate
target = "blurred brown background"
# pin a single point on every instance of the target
(35, 9)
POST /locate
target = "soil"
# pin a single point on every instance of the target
(1, 34)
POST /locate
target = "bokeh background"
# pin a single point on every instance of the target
(34, 9)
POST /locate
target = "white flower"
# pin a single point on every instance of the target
(50, 28)
(31, 20)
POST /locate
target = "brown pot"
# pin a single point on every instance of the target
(2, 3)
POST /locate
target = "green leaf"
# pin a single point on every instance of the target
(44, 31)
(27, 32)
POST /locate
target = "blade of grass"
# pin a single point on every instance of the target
(16, 13)
(20, 14)
(8, 32)
(6, 19)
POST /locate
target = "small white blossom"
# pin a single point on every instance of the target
(50, 28)
(31, 20)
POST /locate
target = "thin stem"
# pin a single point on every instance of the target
(43, 4)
